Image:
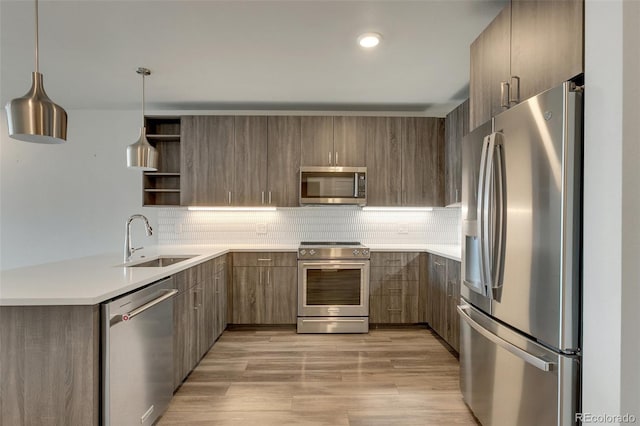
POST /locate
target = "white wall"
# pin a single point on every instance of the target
(71, 200)
(611, 205)
(630, 386)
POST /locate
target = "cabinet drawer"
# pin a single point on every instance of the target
(265, 258)
(392, 258)
(394, 288)
(395, 273)
(393, 309)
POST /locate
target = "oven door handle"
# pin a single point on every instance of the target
(341, 265)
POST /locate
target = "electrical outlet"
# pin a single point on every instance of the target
(403, 228)
(261, 228)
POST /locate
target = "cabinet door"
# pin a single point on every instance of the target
(384, 171)
(209, 296)
(456, 126)
(317, 141)
(252, 298)
(423, 161)
(181, 338)
(490, 64)
(250, 170)
(437, 294)
(221, 295)
(349, 141)
(452, 335)
(283, 161)
(546, 43)
(206, 168)
(284, 285)
(196, 325)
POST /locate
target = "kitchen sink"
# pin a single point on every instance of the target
(161, 261)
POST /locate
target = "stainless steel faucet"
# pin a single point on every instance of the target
(128, 250)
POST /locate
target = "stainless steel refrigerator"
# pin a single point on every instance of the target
(520, 305)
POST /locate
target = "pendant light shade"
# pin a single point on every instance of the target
(140, 154)
(34, 117)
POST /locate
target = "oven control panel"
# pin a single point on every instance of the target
(334, 253)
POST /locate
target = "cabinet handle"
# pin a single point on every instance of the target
(516, 90)
(394, 310)
(262, 197)
(229, 197)
(336, 158)
(457, 199)
(269, 197)
(264, 260)
(268, 276)
(329, 157)
(504, 94)
(438, 263)
(394, 289)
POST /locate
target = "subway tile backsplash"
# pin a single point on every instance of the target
(289, 226)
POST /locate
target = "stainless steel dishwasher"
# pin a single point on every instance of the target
(137, 355)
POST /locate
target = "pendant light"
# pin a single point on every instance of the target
(34, 117)
(141, 155)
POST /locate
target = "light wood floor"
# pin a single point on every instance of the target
(278, 377)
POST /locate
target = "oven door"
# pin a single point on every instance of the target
(333, 288)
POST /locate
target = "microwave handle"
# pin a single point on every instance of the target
(355, 186)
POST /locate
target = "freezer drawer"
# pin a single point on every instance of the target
(508, 380)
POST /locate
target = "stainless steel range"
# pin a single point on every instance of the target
(333, 287)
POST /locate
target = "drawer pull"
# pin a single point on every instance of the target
(394, 310)
(264, 260)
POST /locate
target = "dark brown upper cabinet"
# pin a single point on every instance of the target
(207, 159)
(283, 161)
(490, 65)
(349, 141)
(423, 161)
(250, 162)
(384, 160)
(317, 141)
(546, 43)
(456, 126)
(531, 46)
(333, 141)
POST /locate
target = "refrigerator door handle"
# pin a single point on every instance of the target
(481, 214)
(497, 253)
(491, 234)
(537, 362)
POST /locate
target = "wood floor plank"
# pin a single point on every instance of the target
(277, 377)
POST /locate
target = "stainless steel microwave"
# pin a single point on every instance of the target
(333, 185)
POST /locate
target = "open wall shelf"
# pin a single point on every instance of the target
(162, 187)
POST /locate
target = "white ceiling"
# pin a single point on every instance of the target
(212, 55)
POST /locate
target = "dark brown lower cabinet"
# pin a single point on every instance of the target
(264, 294)
(264, 288)
(452, 323)
(50, 359)
(199, 311)
(443, 294)
(394, 287)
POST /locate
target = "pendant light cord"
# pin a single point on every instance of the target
(143, 99)
(37, 60)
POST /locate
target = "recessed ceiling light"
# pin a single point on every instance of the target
(369, 40)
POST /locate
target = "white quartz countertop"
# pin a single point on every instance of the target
(95, 279)
(89, 280)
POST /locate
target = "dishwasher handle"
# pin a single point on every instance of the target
(137, 311)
